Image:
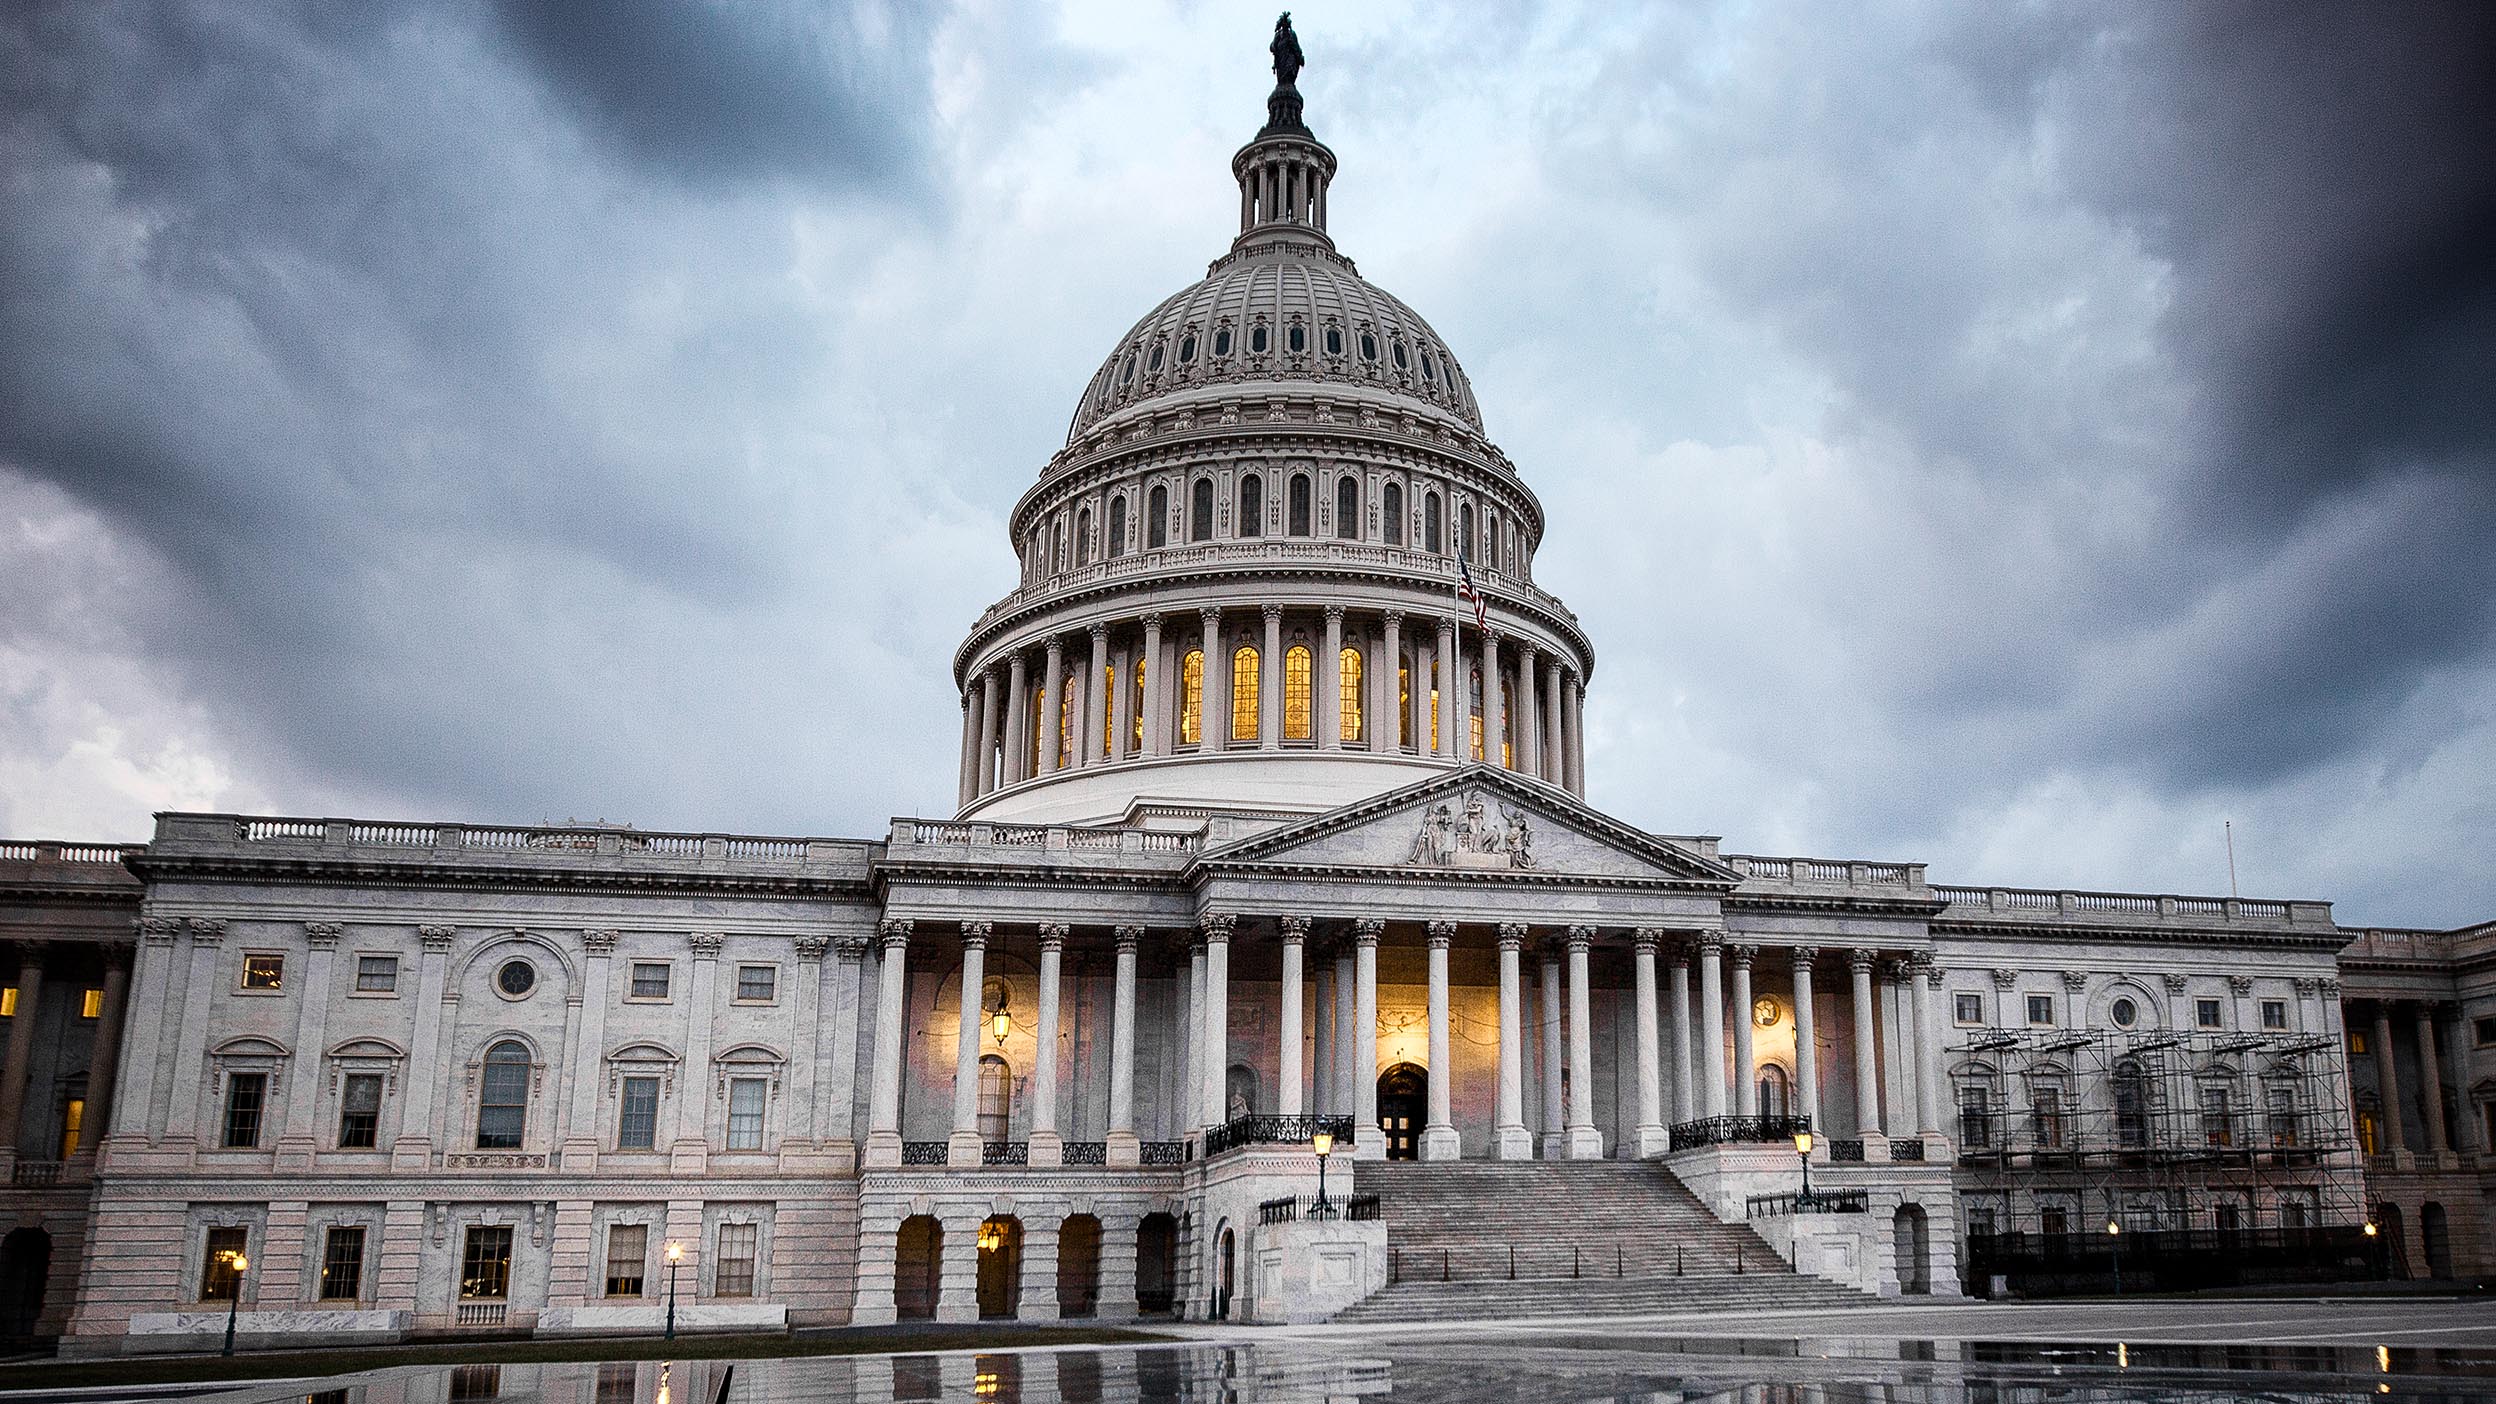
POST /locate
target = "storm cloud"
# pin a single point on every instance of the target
(2016, 438)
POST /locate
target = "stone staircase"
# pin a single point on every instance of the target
(1485, 1238)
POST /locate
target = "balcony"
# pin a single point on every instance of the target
(1739, 1130)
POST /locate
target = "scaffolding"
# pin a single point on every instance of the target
(2229, 1143)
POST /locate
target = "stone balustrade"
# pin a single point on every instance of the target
(1051, 839)
(276, 835)
(2132, 907)
(1829, 872)
(47, 851)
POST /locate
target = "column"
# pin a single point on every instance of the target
(2467, 1137)
(1156, 684)
(2387, 1084)
(1924, 992)
(1046, 1146)
(1270, 683)
(1745, 1067)
(1294, 992)
(968, 787)
(837, 1123)
(1712, 1024)
(805, 1061)
(987, 775)
(1806, 1052)
(1214, 697)
(1329, 709)
(1389, 713)
(1325, 1097)
(412, 1148)
(1088, 748)
(1462, 691)
(1053, 679)
(1511, 1141)
(1575, 700)
(1555, 769)
(1900, 998)
(1190, 1100)
(1438, 1134)
(1585, 1142)
(1011, 765)
(104, 1061)
(964, 1145)
(155, 967)
(1685, 1099)
(1363, 1045)
(1347, 1036)
(190, 1088)
(1529, 726)
(1123, 742)
(298, 1131)
(1217, 1028)
(1555, 1109)
(1494, 702)
(1124, 1146)
(2431, 1078)
(14, 1077)
(1867, 1065)
(694, 1106)
(1451, 686)
(1651, 1140)
(884, 1090)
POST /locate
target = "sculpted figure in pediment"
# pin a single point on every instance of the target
(1435, 845)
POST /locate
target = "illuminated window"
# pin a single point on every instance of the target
(1109, 710)
(1296, 690)
(1348, 666)
(1066, 720)
(1473, 720)
(90, 1004)
(342, 1263)
(1135, 706)
(628, 1259)
(485, 1263)
(1391, 513)
(1434, 706)
(73, 1120)
(1251, 505)
(8, 1003)
(219, 1281)
(1192, 697)
(1245, 683)
(264, 972)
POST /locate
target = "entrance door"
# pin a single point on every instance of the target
(1403, 1108)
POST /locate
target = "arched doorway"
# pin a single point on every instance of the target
(2435, 1239)
(1225, 1263)
(1156, 1263)
(1403, 1108)
(917, 1251)
(1079, 1266)
(2388, 1230)
(1775, 1096)
(1000, 1268)
(25, 1261)
(1908, 1242)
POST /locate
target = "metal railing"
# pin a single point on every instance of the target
(1738, 1130)
(1358, 1208)
(1771, 1206)
(1087, 1153)
(1276, 1131)
(924, 1152)
(1547, 1262)
(1906, 1150)
(1162, 1153)
(1005, 1153)
(1846, 1152)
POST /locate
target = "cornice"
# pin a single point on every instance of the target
(454, 876)
(1919, 907)
(2031, 930)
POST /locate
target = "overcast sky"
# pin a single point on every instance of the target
(2016, 438)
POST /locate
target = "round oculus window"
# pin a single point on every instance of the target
(2124, 1012)
(516, 978)
(1765, 1012)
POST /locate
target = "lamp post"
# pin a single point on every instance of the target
(234, 1302)
(675, 1259)
(1324, 1144)
(1802, 1147)
(2114, 1233)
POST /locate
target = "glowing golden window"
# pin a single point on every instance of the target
(1434, 706)
(1135, 707)
(1348, 667)
(1474, 717)
(1192, 697)
(1296, 690)
(1109, 711)
(91, 1004)
(73, 1117)
(8, 1003)
(1404, 704)
(1245, 683)
(1066, 720)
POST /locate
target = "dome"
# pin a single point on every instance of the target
(1279, 309)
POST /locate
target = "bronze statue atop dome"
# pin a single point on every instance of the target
(1282, 109)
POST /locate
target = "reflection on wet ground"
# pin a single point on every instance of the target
(1581, 1367)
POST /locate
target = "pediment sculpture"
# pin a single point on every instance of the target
(1470, 838)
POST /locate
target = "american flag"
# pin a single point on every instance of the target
(1470, 595)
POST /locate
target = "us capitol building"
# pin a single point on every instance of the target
(1269, 833)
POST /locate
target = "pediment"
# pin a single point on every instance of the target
(1477, 821)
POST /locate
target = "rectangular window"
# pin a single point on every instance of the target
(1975, 1118)
(264, 972)
(342, 1264)
(735, 1276)
(2283, 1116)
(485, 1263)
(8, 1003)
(2274, 1013)
(628, 1254)
(377, 974)
(638, 1128)
(73, 1121)
(2048, 1103)
(2218, 1120)
(2483, 1032)
(745, 1113)
(619, 1382)
(2292, 1213)
(359, 1112)
(1979, 1222)
(2041, 1011)
(218, 1280)
(244, 1095)
(650, 979)
(2206, 1013)
(2054, 1219)
(1970, 1008)
(90, 1004)
(2357, 1041)
(757, 984)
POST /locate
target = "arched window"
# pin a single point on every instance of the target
(1257, 340)
(1057, 549)
(1135, 708)
(1403, 703)
(1348, 670)
(1430, 524)
(1244, 684)
(1473, 692)
(2131, 1106)
(1774, 1098)
(1297, 725)
(1109, 708)
(1083, 536)
(503, 1096)
(1157, 518)
(1297, 338)
(1192, 697)
(1494, 535)
(1334, 341)
(996, 1097)
(1117, 527)
(1434, 706)
(1066, 719)
(1251, 505)
(1200, 511)
(1348, 508)
(1299, 504)
(1035, 731)
(1391, 512)
(1464, 530)
(1222, 342)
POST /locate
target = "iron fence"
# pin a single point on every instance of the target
(924, 1152)
(1738, 1130)
(1276, 1131)
(1770, 1206)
